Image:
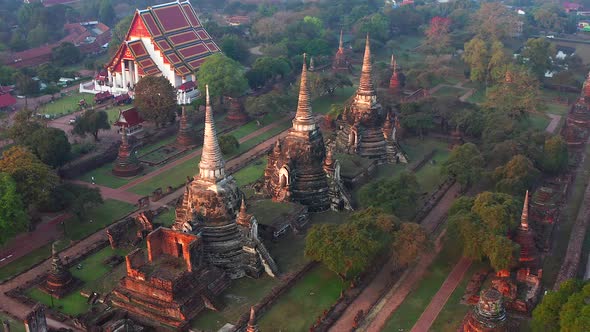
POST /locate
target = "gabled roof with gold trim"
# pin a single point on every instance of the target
(175, 31)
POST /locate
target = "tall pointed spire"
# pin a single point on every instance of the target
(524, 218)
(341, 43)
(392, 62)
(212, 165)
(366, 82)
(252, 327)
(303, 119)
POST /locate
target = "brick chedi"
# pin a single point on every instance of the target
(174, 284)
(489, 315)
(525, 237)
(340, 64)
(577, 124)
(394, 83)
(252, 326)
(60, 281)
(362, 125)
(126, 164)
(185, 135)
(210, 207)
(236, 112)
(295, 170)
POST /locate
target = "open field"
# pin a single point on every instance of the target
(98, 217)
(25, 262)
(429, 176)
(251, 172)
(66, 104)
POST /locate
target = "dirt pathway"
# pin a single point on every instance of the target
(442, 296)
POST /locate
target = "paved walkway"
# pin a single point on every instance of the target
(375, 290)
(553, 124)
(442, 296)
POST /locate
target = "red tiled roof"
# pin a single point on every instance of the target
(175, 31)
(122, 97)
(129, 118)
(187, 86)
(7, 100)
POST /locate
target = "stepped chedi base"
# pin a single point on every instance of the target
(489, 315)
(235, 112)
(60, 281)
(365, 129)
(210, 208)
(185, 137)
(295, 169)
(126, 164)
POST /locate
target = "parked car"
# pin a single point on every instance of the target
(72, 121)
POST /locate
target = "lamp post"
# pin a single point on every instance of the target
(51, 297)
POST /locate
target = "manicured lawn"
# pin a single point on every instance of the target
(252, 126)
(237, 300)
(429, 176)
(101, 216)
(166, 218)
(67, 104)
(448, 91)
(299, 307)
(25, 262)
(537, 121)
(251, 172)
(104, 176)
(417, 148)
(15, 325)
(558, 109)
(92, 269)
(322, 104)
(410, 310)
(267, 210)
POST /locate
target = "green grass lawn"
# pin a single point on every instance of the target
(299, 307)
(92, 270)
(25, 262)
(410, 310)
(478, 96)
(267, 210)
(237, 299)
(101, 216)
(559, 109)
(537, 121)
(448, 91)
(322, 104)
(103, 176)
(166, 218)
(451, 315)
(251, 172)
(15, 325)
(67, 104)
(429, 177)
(417, 148)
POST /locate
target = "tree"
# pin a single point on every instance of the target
(6, 75)
(228, 144)
(536, 55)
(266, 69)
(224, 76)
(501, 252)
(517, 176)
(323, 83)
(23, 127)
(234, 47)
(91, 122)
(438, 38)
(395, 195)
(546, 316)
(348, 249)
(13, 218)
(499, 59)
(416, 118)
(376, 25)
(82, 198)
(34, 180)
(66, 54)
(50, 145)
(516, 95)
(465, 164)
(476, 57)
(49, 73)
(493, 21)
(155, 98)
(272, 102)
(409, 242)
(119, 32)
(106, 13)
(555, 155)
(25, 84)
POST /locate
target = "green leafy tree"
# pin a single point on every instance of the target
(66, 54)
(38, 36)
(517, 176)
(34, 180)
(409, 242)
(546, 316)
(49, 73)
(272, 102)
(395, 195)
(23, 127)
(50, 145)
(493, 21)
(82, 199)
(6, 75)
(327, 83)
(348, 249)
(499, 60)
(555, 155)
(224, 76)
(234, 47)
(416, 118)
(91, 122)
(13, 218)
(228, 144)
(517, 95)
(465, 164)
(25, 84)
(106, 13)
(536, 55)
(155, 98)
(376, 25)
(476, 57)
(119, 32)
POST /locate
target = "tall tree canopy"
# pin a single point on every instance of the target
(566, 309)
(13, 218)
(51, 145)
(517, 94)
(517, 176)
(394, 195)
(409, 242)
(155, 98)
(438, 38)
(66, 54)
(493, 20)
(224, 76)
(555, 155)
(34, 180)
(465, 164)
(536, 55)
(91, 122)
